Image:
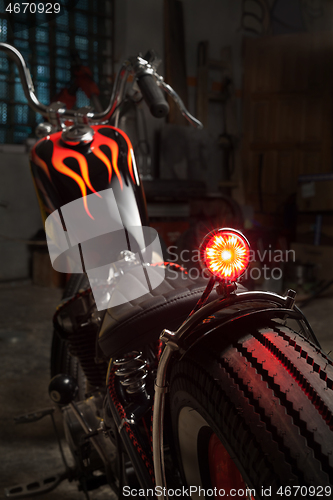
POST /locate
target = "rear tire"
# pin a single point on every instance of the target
(268, 397)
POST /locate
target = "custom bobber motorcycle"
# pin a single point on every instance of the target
(167, 387)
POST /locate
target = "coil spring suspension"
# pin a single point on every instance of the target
(132, 371)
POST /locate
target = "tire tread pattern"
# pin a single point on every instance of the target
(270, 393)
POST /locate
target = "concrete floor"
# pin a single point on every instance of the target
(30, 451)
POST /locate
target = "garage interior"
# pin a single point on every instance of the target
(259, 75)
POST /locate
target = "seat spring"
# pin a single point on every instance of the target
(132, 371)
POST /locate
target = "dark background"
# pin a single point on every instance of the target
(259, 74)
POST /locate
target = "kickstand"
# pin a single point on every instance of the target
(84, 489)
(68, 469)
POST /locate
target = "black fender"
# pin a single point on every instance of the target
(227, 317)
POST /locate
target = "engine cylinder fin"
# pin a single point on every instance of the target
(82, 344)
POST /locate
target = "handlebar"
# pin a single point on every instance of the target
(25, 77)
(153, 96)
(149, 82)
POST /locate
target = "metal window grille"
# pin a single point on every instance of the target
(47, 49)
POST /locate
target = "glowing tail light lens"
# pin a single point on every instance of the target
(225, 253)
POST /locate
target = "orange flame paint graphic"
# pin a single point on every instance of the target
(100, 140)
(60, 153)
(41, 163)
(130, 153)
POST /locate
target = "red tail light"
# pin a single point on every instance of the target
(225, 253)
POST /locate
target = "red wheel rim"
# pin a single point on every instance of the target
(224, 474)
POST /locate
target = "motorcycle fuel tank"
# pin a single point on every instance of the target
(93, 205)
(66, 168)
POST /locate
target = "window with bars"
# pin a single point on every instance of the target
(48, 50)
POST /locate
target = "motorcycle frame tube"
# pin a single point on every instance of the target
(175, 341)
(138, 465)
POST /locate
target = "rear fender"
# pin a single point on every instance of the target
(228, 315)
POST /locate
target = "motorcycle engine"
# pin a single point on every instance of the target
(85, 455)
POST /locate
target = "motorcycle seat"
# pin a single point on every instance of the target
(134, 323)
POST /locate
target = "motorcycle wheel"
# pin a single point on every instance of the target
(256, 414)
(61, 359)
